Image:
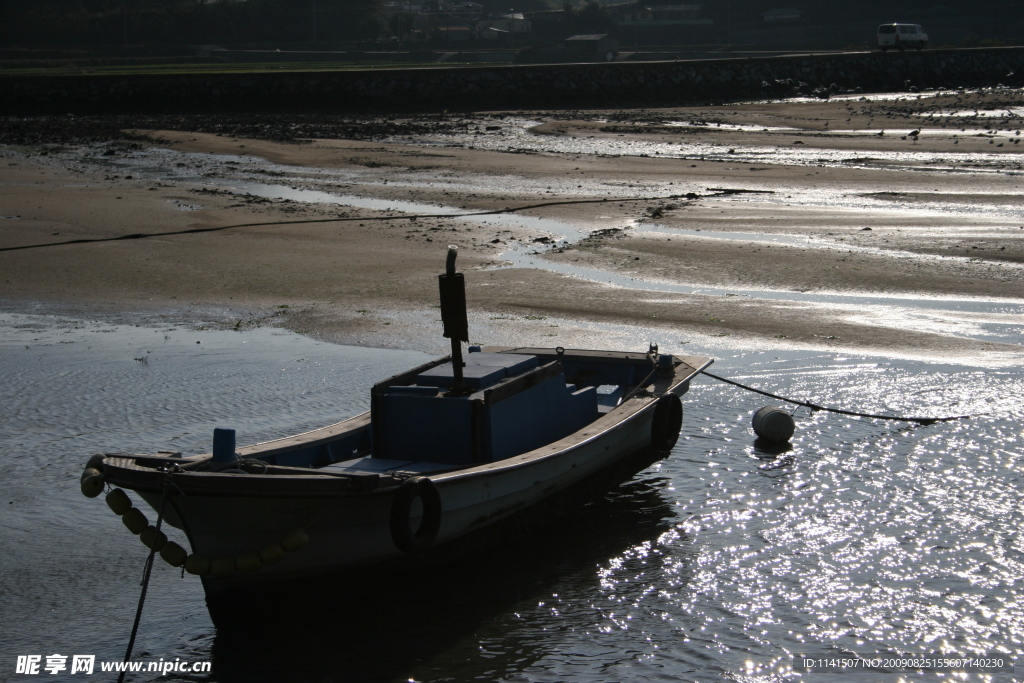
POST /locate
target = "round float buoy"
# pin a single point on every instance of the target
(199, 565)
(90, 472)
(272, 553)
(667, 422)
(173, 554)
(119, 502)
(92, 483)
(96, 462)
(773, 424)
(295, 539)
(223, 567)
(407, 540)
(249, 562)
(135, 521)
(153, 538)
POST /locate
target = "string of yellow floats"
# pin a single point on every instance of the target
(93, 483)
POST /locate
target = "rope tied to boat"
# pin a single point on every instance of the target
(147, 571)
(350, 219)
(641, 389)
(815, 407)
(234, 466)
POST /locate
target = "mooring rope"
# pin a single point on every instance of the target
(815, 406)
(146, 573)
(337, 219)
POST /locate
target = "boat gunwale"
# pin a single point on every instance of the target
(297, 484)
(622, 414)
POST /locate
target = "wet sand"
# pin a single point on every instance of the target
(801, 200)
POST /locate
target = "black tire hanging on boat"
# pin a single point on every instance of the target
(667, 422)
(405, 538)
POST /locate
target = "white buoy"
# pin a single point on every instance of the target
(774, 424)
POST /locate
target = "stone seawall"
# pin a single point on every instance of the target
(617, 84)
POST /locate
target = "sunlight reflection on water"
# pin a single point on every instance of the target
(719, 562)
(516, 136)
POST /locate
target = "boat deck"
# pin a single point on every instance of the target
(385, 465)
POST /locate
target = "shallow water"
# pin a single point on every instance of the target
(516, 135)
(69, 572)
(716, 564)
(348, 187)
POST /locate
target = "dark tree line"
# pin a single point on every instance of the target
(996, 13)
(302, 23)
(87, 23)
(588, 18)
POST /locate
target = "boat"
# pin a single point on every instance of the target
(448, 452)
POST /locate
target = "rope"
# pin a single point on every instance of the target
(146, 573)
(232, 466)
(639, 387)
(814, 406)
(191, 231)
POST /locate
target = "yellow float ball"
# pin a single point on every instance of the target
(173, 554)
(135, 521)
(295, 539)
(272, 553)
(119, 502)
(249, 562)
(153, 538)
(92, 485)
(89, 472)
(223, 567)
(199, 565)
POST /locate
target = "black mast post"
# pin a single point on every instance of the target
(453, 314)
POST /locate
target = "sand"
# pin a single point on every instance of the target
(867, 225)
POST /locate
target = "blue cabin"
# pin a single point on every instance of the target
(516, 404)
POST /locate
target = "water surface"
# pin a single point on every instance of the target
(716, 564)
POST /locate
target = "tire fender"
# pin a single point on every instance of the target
(405, 539)
(667, 422)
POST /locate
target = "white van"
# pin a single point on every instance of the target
(901, 36)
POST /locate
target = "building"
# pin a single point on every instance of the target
(453, 34)
(503, 26)
(396, 7)
(588, 48)
(639, 14)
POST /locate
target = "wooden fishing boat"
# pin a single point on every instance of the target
(447, 451)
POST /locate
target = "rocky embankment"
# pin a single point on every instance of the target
(523, 86)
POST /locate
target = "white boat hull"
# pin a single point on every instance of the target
(351, 529)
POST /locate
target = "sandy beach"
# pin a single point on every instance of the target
(888, 223)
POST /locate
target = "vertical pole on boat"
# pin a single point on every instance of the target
(453, 313)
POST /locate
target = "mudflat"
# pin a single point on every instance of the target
(862, 222)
